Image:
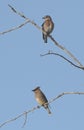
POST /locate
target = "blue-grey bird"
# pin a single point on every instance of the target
(47, 27)
(41, 98)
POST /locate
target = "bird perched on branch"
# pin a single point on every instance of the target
(47, 27)
(41, 98)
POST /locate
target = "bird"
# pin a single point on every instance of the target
(47, 27)
(41, 98)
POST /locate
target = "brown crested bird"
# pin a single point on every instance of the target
(47, 27)
(41, 98)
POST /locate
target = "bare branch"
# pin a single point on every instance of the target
(37, 107)
(66, 93)
(66, 51)
(53, 53)
(55, 42)
(26, 18)
(14, 28)
(25, 114)
(15, 11)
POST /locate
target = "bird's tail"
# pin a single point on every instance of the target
(45, 38)
(49, 112)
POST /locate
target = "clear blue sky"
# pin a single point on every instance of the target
(22, 68)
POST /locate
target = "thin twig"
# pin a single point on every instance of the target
(37, 107)
(25, 114)
(53, 53)
(15, 28)
(15, 11)
(13, 119)
(65, 93)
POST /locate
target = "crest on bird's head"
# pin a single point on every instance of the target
(36, 88)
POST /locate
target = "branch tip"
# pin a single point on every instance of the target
(12, 8)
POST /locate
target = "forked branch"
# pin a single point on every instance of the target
(37, 107)
(38, 27)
